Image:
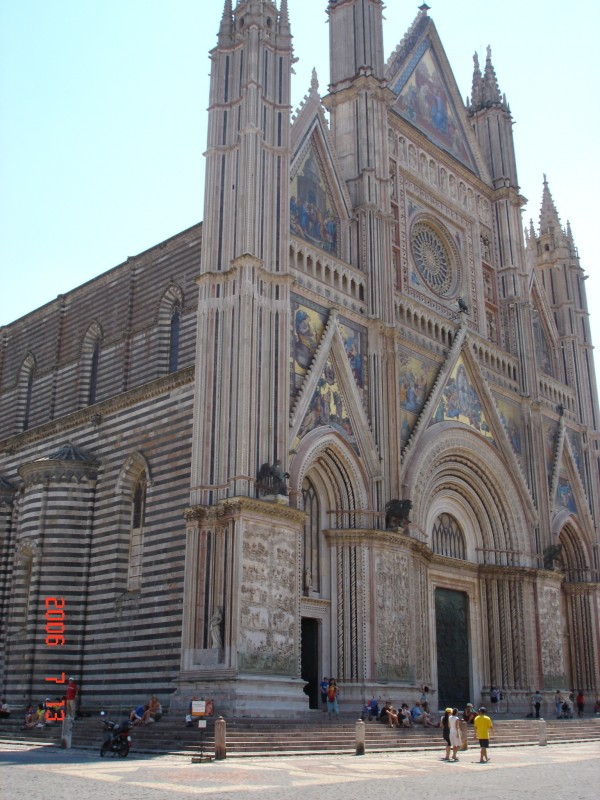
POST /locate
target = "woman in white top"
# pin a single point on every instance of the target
(455, 740)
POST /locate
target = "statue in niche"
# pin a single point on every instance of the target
(272, 479)
(216, 638)
(396, 513)
(552, 554)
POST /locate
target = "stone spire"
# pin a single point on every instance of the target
(227, 27)
(477, 85)
(549, 219)
(491, 90)
(284, 17)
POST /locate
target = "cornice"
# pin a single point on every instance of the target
(237, 266)
(582, 589)
(93, 415)
(58, 471)
(370, 537)
(237, 506)
(507, 571)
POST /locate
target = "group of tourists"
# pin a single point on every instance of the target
(147, 713)
(452, 735)
(329, 696)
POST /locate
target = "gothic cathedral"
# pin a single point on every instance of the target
(346, 426)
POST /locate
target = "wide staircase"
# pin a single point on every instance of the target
(314, 735)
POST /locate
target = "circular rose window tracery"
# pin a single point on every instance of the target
(435, 258)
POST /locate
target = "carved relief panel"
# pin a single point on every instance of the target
(269, 594)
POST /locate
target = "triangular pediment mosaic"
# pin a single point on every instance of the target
(510, 417)
(328, 407)
(417, 376)
(425, 99)
(312, 210)
(309, 322)
(550, 429)
(460, 402)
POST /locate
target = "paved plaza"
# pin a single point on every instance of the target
(557, 771)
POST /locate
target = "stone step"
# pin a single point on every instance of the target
(270, 737)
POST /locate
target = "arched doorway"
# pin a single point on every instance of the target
(331, 489)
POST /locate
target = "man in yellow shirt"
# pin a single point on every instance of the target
(483, 727)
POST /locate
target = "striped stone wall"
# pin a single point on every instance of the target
(67, 483)
(128, 307)
(69, 538)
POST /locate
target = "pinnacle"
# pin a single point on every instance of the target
(549, 219)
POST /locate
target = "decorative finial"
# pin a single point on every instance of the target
(424, 8)
(314, 81)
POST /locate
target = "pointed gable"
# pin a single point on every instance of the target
(320, 206)
(460, 402)
(328, 407)
(427, 96)
(313, 215)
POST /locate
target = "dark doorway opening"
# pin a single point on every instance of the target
(453, 658)
(310, 659)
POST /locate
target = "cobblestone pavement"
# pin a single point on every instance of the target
(542, 773)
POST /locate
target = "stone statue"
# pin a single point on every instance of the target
(272, 479)
(396, 513)
(552, 553)
(216, 640)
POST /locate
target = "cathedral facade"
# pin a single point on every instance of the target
(348, 425)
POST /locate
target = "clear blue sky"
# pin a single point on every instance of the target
(103, 122)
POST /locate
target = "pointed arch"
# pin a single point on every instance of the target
(170, 309)
(132, 486)
(25, 391)
(462, 475)
(90, 365)
(338, 475)
(574, 556)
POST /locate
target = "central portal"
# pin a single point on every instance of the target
(453, 658)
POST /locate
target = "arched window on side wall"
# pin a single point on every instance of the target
(447, 537)
(90, 365)
(169, 318)
(136, 534)
(25, 394)
(174, 339)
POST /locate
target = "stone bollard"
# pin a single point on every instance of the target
(220, 739)
(360, 737)
(543, 737)
(66, 733)
(464, 734)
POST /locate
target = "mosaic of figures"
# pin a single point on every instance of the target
(311, 214)
(460, 403)
(543, 351)
(424, 99)
(510, 416)
(416, 380)
(575, 442)
(268, 611)
(309, 321)
(550, 439)
(328, 407)
(564, 495)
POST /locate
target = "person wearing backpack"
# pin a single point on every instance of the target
(332, 698)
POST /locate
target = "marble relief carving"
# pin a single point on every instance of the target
(268, 612)
(391, 609)
(553, 668)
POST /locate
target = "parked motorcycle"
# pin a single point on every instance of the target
(116, 737)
